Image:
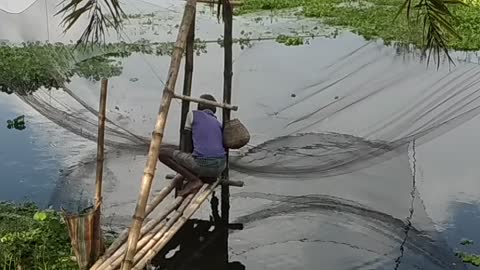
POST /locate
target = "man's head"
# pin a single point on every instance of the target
(202, 107)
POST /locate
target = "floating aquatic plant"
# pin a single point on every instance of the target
(376, 19)
(18, 123)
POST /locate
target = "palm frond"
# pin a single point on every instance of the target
(437, 25)
(103, 14)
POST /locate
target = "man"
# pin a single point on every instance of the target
(203, 154)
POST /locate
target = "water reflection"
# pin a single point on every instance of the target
(346, 199)
(199, 245)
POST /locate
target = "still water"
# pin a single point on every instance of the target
(361, 157)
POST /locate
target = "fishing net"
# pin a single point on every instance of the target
(333, 110)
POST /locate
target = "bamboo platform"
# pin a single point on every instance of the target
(156, 233)
(137, 246)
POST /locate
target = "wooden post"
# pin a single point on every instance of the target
(187, 86)
(227, 97)
(157, 136)
(187, 82)
(100, 143)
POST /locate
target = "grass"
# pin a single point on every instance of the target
(33, 239)
(374, 19)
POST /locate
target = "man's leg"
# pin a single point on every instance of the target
(184, 164)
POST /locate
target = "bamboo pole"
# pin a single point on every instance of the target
(101, 142)
(233, 2)
(124, 234)
(157, 135)
(145, 229)
(187, 87)
(207, 102)
(227, 98)
(191, 209)
(188, 78)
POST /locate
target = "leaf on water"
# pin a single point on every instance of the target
(466, 242)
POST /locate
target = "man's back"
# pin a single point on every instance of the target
(207, 134)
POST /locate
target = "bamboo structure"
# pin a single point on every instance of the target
(189, 211)
(136, 247)
(120, 241)
(157, 137)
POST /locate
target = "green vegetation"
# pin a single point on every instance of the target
(33, 239)
(473, 259)
(18, 123)
(24, 69)
(290, 40)
(376, 19)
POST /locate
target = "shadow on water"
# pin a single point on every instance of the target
(199, 245)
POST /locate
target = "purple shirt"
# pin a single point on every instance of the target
(207, 134)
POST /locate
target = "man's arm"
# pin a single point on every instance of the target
(187, 140)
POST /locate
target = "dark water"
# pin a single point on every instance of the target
(371, 164)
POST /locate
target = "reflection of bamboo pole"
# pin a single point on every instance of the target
(120, 241)
(157, 135)
(100, 142)
(201, 196)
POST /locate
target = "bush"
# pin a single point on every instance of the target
(33, 239)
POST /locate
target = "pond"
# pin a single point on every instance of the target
(361, 157)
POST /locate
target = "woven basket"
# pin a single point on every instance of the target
(235, 134)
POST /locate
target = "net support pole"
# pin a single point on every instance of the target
(227, 97)
(101, 142)
(157, 135)
(187, 87)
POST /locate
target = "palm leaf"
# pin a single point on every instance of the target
(103, 14)
(437, 24)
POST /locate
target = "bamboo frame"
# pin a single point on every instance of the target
(116, 256)
(207, 102)
(120, 241)
(157, 136)
(201, 196)
(148, 232)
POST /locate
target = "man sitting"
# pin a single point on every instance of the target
(204, 154)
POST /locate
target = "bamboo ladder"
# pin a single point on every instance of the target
(146, 240)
